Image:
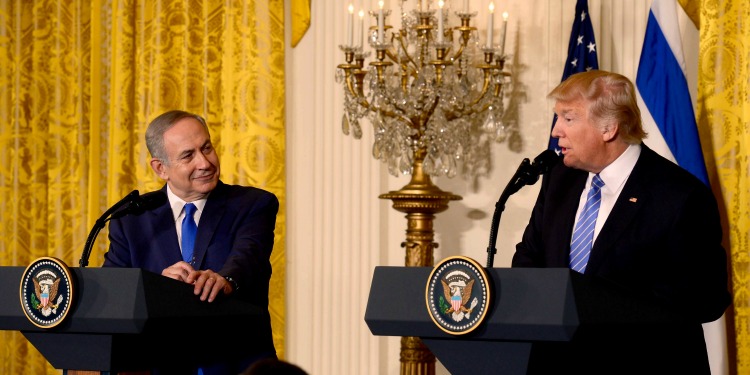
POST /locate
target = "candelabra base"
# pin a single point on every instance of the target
(420, 199)
(420, 202)
(416, 358)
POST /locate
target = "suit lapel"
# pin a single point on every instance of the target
(210, 218)
(563, 203)
(167, 245)
(624, 211)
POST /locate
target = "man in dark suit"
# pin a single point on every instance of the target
(654, 235)
(232, 244)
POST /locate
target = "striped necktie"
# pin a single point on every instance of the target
(583, 235)
(189, 229)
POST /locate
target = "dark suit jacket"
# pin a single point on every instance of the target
(235, 238)
(661, 244)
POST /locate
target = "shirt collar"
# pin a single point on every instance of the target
(177, 204)
(615, 174)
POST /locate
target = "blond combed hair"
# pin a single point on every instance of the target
(611, 99)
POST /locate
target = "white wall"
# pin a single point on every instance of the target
(338, 229)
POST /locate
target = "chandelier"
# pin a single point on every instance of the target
(432, 92)
(434, 97)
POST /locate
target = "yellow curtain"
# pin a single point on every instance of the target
(300, 19)
(80, 81)
(724, 120)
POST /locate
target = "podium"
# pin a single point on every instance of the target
(530, 306)
(129, 319)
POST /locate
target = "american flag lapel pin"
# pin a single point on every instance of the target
(633, 199)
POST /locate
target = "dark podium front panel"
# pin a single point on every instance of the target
(529, 305)
(128, 319)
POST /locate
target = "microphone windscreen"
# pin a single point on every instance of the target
(152, 200)
(141, 204)
(544, 161)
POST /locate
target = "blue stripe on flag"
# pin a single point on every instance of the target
(663, 87)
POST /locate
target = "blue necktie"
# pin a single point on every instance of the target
(583, 235)
(189, 229)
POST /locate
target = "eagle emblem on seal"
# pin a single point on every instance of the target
(457, 288)
(45, 290)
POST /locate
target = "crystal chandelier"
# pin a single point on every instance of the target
(434, 97)
(432, 93)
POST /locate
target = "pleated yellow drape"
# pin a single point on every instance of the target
(723, 112)
(79, 81)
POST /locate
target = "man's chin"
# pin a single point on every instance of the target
(204, 187)
(207, 186)
(568, 161)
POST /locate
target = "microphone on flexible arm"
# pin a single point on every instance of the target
(131, 204)
(141, 204)
(527, 174)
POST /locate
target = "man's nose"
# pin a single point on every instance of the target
(202, 160)
(555, 133)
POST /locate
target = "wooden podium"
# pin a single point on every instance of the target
(530, 306)
(129, 320)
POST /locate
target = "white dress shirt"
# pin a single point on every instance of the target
(178, 211)
(614, 176)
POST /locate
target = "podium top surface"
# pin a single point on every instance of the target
(528, 304)
(123, 300)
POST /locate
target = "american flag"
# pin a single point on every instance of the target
(581, 51)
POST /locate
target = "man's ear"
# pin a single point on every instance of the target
(610, 132)
(158, 166)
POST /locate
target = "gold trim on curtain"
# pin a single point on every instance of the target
(81, 81)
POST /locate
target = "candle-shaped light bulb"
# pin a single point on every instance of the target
(361, 28)
(502, 35)
(381, 23)
(350, 26)
(466, 6)
(490, 26)
(440, 21)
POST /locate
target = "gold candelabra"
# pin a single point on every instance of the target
(436, 105)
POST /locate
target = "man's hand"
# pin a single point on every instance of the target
(178, 271)
(207, 284)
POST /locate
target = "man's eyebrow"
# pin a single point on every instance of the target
(184, 153)
(567, 111)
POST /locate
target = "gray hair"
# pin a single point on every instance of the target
(160, 125)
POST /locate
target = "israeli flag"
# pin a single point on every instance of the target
(666, 106)
(669, 119)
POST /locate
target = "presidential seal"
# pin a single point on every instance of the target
(46, 292)
(458, 295)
